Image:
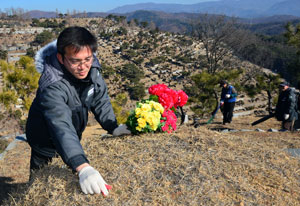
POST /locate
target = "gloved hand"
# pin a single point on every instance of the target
(92, 182)
(120, 130)
(286, 116)
(227, 96)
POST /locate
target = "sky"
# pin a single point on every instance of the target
(84, 5)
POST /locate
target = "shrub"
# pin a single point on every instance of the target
(137, 91)
(132, 72)
(107, 71)
(3, 145)
(118, 105)
(8, 98)
(43, 38)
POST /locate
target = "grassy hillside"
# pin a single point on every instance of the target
(193, 166)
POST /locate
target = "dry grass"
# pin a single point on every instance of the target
(189, 167)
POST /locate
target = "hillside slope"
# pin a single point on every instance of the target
(192, 166)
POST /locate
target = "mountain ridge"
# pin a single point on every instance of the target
(245, 9)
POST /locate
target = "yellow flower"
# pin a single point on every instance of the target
(144, 114)
(138, 128)
(138, 112)
(156, 114)
(141, 122)
(157, 106)
(146, 107)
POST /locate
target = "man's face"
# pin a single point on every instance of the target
(283, 88)
(78, 64)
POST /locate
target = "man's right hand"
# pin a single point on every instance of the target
(91, 181)
(286, 116)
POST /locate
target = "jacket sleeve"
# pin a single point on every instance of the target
(58, 115)
(222, 95)
(102, 108)
(233, 92)
(291, 102)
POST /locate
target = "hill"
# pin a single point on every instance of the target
(192, 166)
(237, 8)
(208, 165)
(161, 57)
(180, 22)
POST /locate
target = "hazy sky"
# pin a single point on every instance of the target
(83, 5)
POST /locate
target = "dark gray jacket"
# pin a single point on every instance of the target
(59, 112)
(286, 105)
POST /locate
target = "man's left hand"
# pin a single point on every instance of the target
(121, 130)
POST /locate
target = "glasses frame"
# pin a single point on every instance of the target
(80, 63)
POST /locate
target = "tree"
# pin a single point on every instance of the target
(30, 52)
(132, 73)
(293, 35)
(43, 38)
(293, 38)
(22, 79)
(213, 31)
(136, 90)
(205, 90)
(268, 83)
(3, 54)
(144, 24)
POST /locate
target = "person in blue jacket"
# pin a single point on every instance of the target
(227, 102)
(70, 86)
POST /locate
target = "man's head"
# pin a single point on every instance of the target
(75, 48)
(223, 83)
(284, 86)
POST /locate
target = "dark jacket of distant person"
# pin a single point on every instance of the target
(286, 105)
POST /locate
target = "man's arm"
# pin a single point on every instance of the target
(233, 92)
(58, 116)
(102, 108)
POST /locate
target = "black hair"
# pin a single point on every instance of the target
(222, 82)
(76, 37)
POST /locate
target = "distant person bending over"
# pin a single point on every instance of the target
(286, 108)
(228, 99)
(70, 85)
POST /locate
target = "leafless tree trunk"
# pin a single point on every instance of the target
(215, 32)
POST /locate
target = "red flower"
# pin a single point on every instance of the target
(166, 100)
(182, 98)
(157, 89)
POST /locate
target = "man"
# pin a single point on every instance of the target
(228, 99)
(70, 85)
(286, 110)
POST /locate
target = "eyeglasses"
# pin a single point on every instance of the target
(76, 63)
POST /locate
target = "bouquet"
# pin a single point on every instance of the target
(158, 112)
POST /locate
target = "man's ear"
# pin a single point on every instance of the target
(60, 58)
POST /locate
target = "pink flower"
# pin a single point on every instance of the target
(170, 122)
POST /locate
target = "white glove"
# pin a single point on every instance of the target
(91, 181)
(286, 116)
(120, 130)
(227, 96)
